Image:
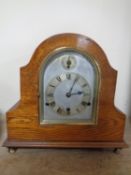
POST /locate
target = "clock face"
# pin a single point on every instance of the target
(68, 94)
(68, 88)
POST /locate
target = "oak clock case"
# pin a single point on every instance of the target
(67, 98)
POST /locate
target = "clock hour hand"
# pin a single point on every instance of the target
(77, 93)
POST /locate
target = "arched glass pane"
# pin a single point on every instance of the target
(69, 85)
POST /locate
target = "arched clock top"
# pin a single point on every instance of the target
(77, 42)
(69, 40)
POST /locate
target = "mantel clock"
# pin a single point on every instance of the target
(67, 98)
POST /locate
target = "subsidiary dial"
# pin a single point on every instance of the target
(68, 61)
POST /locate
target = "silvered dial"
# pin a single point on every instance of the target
(68, 88)
(68, 94)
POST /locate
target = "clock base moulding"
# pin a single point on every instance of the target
(24, 126)
(38, 144)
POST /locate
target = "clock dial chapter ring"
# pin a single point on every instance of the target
(66, 95)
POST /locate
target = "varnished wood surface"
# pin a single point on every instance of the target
(53, 144)
(23, 121)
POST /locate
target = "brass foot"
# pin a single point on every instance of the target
(117, 150)
(12, 150)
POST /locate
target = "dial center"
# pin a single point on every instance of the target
(68, 94)
(64, 98)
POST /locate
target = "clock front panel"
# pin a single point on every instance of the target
(69, 85)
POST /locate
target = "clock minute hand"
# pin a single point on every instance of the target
(73, 85)
(68, 94)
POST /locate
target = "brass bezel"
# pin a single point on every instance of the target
(97, 85)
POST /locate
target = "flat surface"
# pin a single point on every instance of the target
(66, 161)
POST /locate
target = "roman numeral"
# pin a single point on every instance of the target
(59, 110)
(68, 76)
(51, 85)
(84, 85)
(50, 95)
(78, 110)
(58, 78)
(50, 103)
(68, 110)
(85, 94)
(84, 103)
